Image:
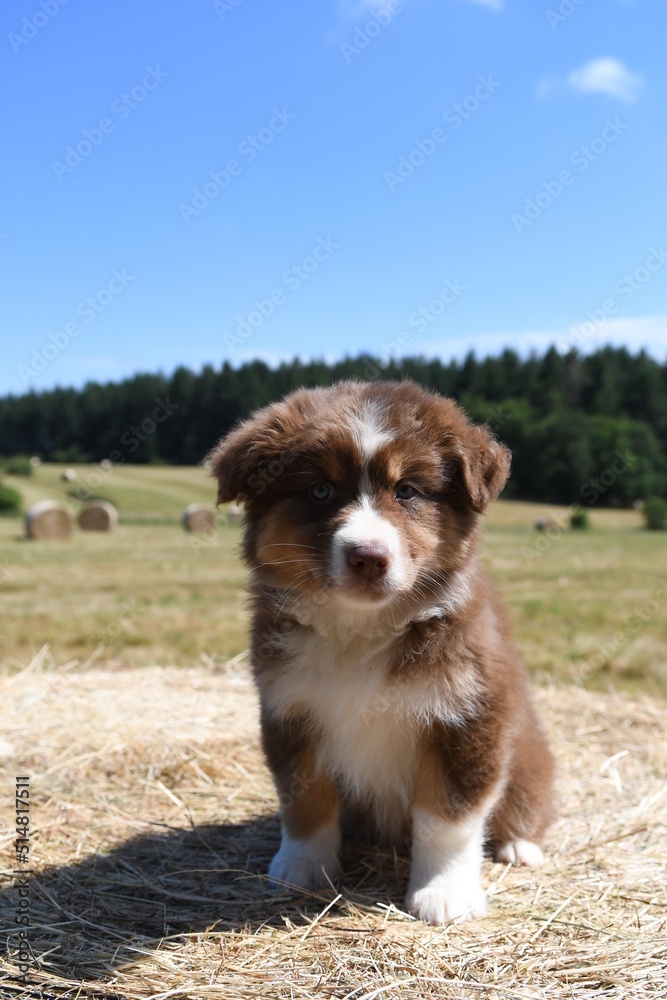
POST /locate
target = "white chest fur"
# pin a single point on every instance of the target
(367, 724)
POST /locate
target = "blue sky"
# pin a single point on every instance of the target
(193, 182)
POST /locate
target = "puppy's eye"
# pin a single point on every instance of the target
(405, 492)
(321, 491)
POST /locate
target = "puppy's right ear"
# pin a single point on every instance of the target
(238, 456)
(228, 463)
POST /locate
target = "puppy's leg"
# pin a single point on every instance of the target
(449, 817)
(526, 807)
(446, 861)
(308, 854)
(307, 857)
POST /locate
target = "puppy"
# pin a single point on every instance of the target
(389, 686)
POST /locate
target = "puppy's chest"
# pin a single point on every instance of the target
(367, 722)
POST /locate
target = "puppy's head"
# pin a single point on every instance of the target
(369, 494)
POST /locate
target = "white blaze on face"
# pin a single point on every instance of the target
(365, 527)
(368, 431)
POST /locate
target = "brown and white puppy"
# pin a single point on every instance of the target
(389, 685)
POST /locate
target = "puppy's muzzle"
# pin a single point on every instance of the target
(368, 562)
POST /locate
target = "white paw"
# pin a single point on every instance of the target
(442, 900)
(520, 852)
(308, 863)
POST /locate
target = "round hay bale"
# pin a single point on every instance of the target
(105, 464)
(35, 461)
(199, 517)
(68, 476)
(48, 519)
(98, 515)
(544, 524)
(234, 512)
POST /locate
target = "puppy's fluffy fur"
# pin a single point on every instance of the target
(390, 690)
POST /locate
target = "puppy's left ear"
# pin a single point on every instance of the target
(485, 467)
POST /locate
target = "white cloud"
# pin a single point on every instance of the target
(635, 333)
(606, 76)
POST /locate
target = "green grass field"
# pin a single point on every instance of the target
(588, 607)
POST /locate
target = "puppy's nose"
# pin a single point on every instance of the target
(369, 561)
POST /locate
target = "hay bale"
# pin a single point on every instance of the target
(68, 476)
(35, 461)
(105, 464)
(98, 515)
(199, 517)
(48, 519)
(544, 524)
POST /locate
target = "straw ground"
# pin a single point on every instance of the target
(154, 819)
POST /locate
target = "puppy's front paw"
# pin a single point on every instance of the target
(519, 852)
(444, 899)
(308, 864)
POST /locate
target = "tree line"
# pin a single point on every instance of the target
(582, 429)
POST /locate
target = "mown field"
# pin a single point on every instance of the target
(588, 607)
(152, 813)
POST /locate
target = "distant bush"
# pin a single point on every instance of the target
(579, 519)
(655, 514)
(18, 465)
(72, 455)
(10, 500)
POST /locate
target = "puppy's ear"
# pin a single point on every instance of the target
(237, 460)
(479, 464)
(484, 465)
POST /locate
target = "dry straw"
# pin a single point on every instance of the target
(98, 515)
(154, 821)
(48, 519)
